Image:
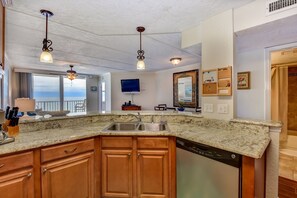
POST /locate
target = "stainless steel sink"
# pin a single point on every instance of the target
(152, 127)
(122, 126)
(128, 126)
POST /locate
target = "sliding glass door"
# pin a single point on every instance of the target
(46, 92)
(75, 95)
(55, 93)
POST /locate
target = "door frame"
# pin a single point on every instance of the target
(267, 76)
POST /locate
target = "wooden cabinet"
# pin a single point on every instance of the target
(138, 167)
(117, 173)
(68, 171)
(16, 176)
(152, 173)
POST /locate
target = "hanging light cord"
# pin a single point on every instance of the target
(46, 42)
(140, 51)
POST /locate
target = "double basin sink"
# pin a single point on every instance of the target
(138, 126)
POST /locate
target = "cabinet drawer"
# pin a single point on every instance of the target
(151, 143)
(117, 142)
(65, 150)
(17, 161)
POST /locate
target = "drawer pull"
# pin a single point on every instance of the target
(129, 155)
(29, 175)
(70, 151)
(2, 165)
(44, 170)
(138, 155)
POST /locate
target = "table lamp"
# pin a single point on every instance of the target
(25, 105)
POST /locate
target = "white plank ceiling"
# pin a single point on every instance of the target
(100, 36)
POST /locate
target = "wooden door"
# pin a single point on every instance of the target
(152, 173)
(69, 177)
(17, 184)
(117, 173)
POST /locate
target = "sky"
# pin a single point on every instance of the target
(47, 88)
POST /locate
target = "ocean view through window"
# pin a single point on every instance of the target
(55, 93)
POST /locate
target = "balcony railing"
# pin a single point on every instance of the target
(70, 105)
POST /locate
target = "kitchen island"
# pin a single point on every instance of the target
(247, 138)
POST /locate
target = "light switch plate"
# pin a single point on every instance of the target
(208, 108)
(223, 108)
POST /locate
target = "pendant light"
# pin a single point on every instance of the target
(140, 52)
(71, 74)
(46, 56)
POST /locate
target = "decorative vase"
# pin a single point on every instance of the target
(180, 109)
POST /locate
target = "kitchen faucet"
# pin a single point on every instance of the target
(138, 116)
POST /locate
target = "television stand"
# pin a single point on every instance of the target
(131, 108)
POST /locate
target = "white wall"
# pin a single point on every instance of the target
(164, 85)
(191, 37)
(254, 14)
(107, 79)
(217, 51)
(92, 96)
(250, 103)
(147, 96)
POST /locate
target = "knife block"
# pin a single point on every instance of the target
(5, 125)
(13, 131)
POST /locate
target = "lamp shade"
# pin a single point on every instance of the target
(25, 104)
(140, 65)
(46, 57)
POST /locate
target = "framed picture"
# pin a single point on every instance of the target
(93, 88)
(185, 89)
(243, 80)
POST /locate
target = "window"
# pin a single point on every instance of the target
(54, 93)
(103, 96)
(46, 92)
(75, 95)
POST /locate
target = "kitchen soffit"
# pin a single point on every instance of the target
(100, 36)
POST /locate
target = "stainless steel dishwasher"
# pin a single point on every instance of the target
(207, 172)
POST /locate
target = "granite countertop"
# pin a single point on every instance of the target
(245, 142)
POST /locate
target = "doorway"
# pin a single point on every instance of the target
(284, 109)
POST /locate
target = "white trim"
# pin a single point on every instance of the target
(267, 76)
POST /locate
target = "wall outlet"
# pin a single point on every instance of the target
(223, 108)
(208, 108)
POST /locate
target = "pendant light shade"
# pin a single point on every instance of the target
(46, 56)
(140, 52)
(71, 74)
(140, 65)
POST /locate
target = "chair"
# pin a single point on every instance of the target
(80, 106)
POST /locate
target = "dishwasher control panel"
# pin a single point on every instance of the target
(226, 157)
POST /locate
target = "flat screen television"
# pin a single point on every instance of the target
(130, 85)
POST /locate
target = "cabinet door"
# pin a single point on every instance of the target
(152, 173)
(17, 184)
(70, 177)
(117, 173)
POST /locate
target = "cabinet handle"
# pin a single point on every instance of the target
(70, 151)
(138, 155)
(29, 175)
(2, 165)
(129, 155)
(44, 170)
